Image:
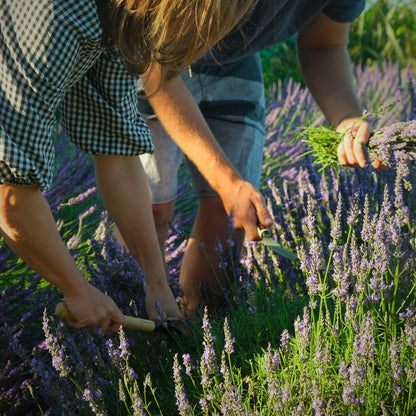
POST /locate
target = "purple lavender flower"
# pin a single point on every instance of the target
(318, 404)
(285, 342)
(341, 274)
(343, 370)
(271, 360)
(286, 395)
(231, 402)
(314, 266)
(124, 346)
(93, 397)
(114, 353)
(137, 404)
(394, 144)
(411, 371)
(366, 230)
(204, 405)
(73, 242)
(57, 351)
(187, 362)
(354, 211)
(209, 358)
(351, 310)
(336, 231)
(321, 356)
(364, 342)
(81, 197)
(275, 395)
(182, 402)
(229, 340)
(409, 318)
(303, 329)
(361, 362)
(397, 371)
(348, 394)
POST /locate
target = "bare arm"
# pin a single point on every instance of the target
(182, 119)
(29, 228)
(124, 187)
(325, 63)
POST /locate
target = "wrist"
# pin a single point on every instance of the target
(154, 275)
(347, 120)
(73, 286)
(227, 179)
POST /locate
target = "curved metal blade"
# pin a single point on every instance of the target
(268, 241)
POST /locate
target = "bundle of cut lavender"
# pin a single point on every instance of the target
(393, 145)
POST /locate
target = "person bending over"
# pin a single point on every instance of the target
(221, 100)
(85, 58)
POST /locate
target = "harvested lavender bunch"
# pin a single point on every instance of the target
(393, 145)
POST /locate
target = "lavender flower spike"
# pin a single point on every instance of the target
(181, 401)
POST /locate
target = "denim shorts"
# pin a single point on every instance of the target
(231, 98)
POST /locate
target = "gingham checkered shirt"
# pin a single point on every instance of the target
(51, 56)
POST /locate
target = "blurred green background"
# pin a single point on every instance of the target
(386, 31)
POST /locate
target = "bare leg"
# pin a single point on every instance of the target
(201, 261)
(162, 214)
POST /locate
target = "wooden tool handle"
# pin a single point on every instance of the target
(131, 322)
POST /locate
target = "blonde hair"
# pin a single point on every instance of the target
(173, 33)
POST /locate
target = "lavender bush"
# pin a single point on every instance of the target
(331, 334)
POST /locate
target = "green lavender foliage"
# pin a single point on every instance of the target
(331, 334)
(351, 350)
(299, 340)
(323, 142)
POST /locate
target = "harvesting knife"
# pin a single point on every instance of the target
(267, 240)
(131, 322)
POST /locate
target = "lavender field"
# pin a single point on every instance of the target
(331, 334)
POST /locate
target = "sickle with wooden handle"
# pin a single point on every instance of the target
(131, 322)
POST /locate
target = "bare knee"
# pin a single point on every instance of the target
(163, 213)
(14, 198)
(17, 203)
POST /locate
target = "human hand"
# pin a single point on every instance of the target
(160, 302)
(350, 150)
(246, 206)
(92, 308)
